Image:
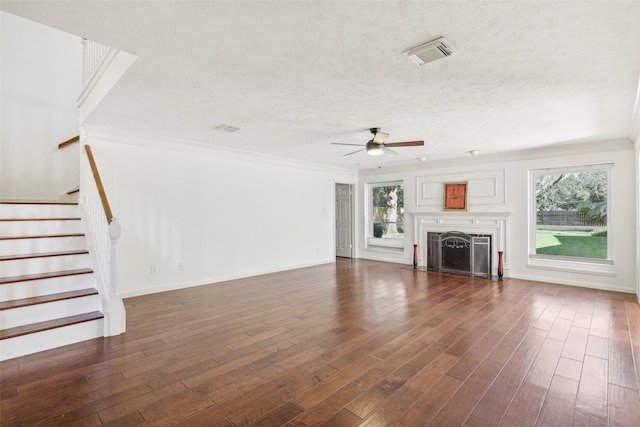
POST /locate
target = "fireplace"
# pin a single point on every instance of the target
(460, 253)
(487, 232)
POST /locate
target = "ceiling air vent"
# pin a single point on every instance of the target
(227, 128)
(435, 49)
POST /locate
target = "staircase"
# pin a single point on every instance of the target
(48, 295)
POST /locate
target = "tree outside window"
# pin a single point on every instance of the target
(571, 212)
(386, 214)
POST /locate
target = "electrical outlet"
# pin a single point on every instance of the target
(180, 266)
(154, 269)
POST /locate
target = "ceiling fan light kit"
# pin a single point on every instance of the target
(374, 149)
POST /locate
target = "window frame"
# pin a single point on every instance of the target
(372, 242)
(570, 263)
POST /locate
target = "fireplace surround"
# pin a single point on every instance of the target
(490, 224)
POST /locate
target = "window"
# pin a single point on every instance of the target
(570, 213)
(385, 214)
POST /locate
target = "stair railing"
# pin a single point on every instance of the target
(68, 142)
(94, 55)
(103, 232)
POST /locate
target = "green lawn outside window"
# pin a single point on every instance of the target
(583, 244)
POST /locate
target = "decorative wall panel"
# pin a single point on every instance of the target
(486, 188)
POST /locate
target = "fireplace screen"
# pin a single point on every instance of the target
(460, 253)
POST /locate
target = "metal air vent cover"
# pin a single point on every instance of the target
(430, 51)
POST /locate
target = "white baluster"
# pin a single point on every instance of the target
(103, 239)
(94, 54)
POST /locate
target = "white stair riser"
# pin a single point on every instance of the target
(10, 211)
(45, 340)
(21, 267)
(43, 245)
(34, 288)
(49, 311)
(39, 228)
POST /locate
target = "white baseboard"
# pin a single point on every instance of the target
(580, 284)
(211, 281)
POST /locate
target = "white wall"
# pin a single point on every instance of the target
(511, 196)
(41, 77)
(222, 215)
(637, 234)
(636, 134)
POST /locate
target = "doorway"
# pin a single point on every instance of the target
(344, 220)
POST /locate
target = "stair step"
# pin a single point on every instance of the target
(49, 225)
(25, 245)
(25, 302)
(48, 292)
(49, 324)
(38, 219)
(50, 236)
(31, 210)
(36, 202)
(40, 276)
(43, 261)
(42, 255)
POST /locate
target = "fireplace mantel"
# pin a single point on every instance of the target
(494, 224)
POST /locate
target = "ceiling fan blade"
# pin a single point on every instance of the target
(348, 154)
(341, 143)
(379, 137)
(405, 144)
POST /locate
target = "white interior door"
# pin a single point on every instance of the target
(343, 220)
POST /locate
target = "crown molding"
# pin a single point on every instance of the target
(557, 150)
(123, 136)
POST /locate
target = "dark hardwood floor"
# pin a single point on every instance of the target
(355, 343)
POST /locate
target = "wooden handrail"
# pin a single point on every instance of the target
(69, 142)
(96, 177)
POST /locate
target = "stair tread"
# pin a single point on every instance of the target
(49, 324)
(47, 236)
(42, 299)
(49, 275)
(43, 255)
(36, 202)
(40, 219)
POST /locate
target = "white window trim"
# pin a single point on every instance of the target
(605, 267)
(377, 242)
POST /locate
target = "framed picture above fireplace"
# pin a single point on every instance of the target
(455, 196)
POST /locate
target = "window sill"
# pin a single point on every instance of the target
(385, 243)
(598, 267)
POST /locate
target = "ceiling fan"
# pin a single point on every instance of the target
(376, 145)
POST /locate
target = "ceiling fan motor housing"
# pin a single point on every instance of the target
(378, 137)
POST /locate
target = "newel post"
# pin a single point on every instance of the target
(115, 231)
(117, 318)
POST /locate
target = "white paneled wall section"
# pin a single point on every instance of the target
(486, 189)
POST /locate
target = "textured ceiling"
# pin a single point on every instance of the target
(297, 76)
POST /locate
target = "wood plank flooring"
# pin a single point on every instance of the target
(356, 343)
